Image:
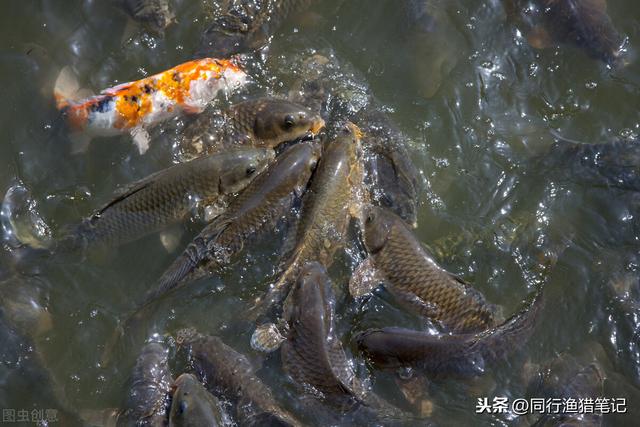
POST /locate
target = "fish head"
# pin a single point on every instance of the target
(346, 142)
(312, 294)
(244, 168)
(378, 223)
(278, 121)
(192, 404)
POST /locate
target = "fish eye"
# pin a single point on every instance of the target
(251, 170)
(370, 218)
(183, 407)
(289, 121)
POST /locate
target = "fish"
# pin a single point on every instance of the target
(156, 15)
(434, 44)
(312, 354)
(228, 373)
(136, 106)
(168, 196)
(193, 406)
(605, 164)
(24, 305)
(270, 196)
(20, 221)
(242, 26)
(331, 201)
(582, 23)
(335, 90)
(416, 280)
(261, 122)
(570, 377)
(25, 322)
(147, 400)
(465, 354)
(390, 174)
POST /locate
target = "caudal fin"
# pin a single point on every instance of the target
(66, 87)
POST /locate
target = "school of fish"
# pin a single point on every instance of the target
(335, 176)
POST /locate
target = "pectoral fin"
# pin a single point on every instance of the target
(191, 109)
(140, 139)
(266, 338)
(170, 239)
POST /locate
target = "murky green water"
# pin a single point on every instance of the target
(493, 201)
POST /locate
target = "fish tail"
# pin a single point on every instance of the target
(173, 276)
(65, 88)
(276, 294)
(515, 331)
(182, 269)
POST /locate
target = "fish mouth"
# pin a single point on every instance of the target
(355, 129)
(317, 126)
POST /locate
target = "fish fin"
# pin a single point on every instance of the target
(539, 38)
(266, 338)
(125, 193)
(79, 142)
(192, 109)
(65, 87)
(364, 279)
(170, 239)
(114, 90)
(140, 139)
(186, 265)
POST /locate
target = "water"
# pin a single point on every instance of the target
(493, 204)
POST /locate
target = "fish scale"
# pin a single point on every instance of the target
(414, 277)
(166, 197)
(230, 374)
(325, 214)
(261, 122)
(464, 354)
(312, 353)
(264, 201)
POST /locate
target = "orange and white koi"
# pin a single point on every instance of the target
(136, 106)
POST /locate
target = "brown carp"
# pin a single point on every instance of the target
(230, 374)
(242, 26)
(312, 354)
(462, 354)
(412, 275)
(336, 90)
(583, 23)
(261, 205)
(148, 397)
(331, 200)
(168, 196)
(391, 176)
(262, 122)
(193, 406)
(571, 377)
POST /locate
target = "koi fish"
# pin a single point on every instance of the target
(136, 106)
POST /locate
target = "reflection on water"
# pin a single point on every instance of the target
(528, 159)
